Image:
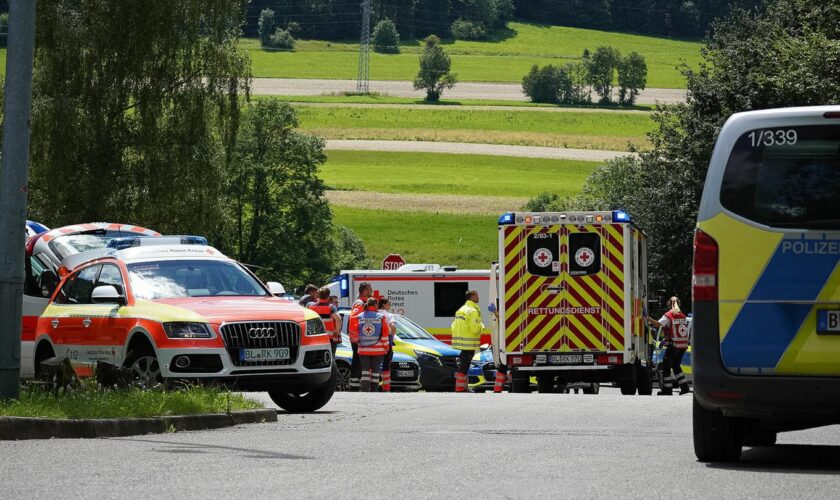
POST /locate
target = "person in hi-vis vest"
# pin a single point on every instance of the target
(466, 336)
(374, 343)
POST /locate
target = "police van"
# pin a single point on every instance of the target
(766, 281)
(571, 294)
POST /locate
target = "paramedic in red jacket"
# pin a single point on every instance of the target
(329, 315)
(365, 291)
(374, 343)
(677, 331)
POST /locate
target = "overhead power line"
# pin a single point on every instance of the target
(363, 83)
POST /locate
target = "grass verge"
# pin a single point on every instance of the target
(470, 175)
(589, 130)
(90, 403)
(468, 241)
(506, 59)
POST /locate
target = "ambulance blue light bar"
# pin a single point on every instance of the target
(507, 218)
(136, 241)
(344, 286)
(620, 216)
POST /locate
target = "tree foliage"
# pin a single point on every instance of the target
(135, 107)
(601, 68)
(385, 37)
(787, 54)
(632, 77)
(557, 85)
(435, 65)
(266, 27)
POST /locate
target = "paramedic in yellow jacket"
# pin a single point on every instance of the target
(466, 336)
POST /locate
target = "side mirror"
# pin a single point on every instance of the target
(276, 289)
(107, 294)
(47, 283)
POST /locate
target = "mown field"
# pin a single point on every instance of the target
(585, 129)
(469, 175)
(506, 59)
(468, 241)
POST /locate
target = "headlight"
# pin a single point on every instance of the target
(187, 330)
(428, 358)
(315, 326)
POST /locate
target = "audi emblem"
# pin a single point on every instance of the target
(262, 333)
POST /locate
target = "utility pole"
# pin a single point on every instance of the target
(363, 83)
(14, 181)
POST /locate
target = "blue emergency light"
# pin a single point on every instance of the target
(136, 241)
(344, 286)
(506, 219)
(621, 216)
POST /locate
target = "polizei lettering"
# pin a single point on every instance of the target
(811, 247)
(545, 311)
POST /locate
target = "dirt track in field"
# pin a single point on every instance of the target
(435, 203)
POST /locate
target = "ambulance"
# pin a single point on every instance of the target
(428, 294)
(766, 281)
(571, 293)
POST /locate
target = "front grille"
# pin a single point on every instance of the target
(256, 335)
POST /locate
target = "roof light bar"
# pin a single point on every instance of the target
(621, 216)
(506, 219)
(136, 241)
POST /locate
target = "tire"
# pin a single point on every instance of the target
(594, 388)
(627, 381)
(43, 352)
(520, 383)
(144, 365)
(545, 384)
(342, 382)
(644, 380)
(306, 401)
(716, 438)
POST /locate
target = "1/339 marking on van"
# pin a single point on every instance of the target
(768, 138)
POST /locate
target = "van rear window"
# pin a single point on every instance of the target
(786, 177)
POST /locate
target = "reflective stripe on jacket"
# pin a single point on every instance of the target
(467, 327)
(372, 332)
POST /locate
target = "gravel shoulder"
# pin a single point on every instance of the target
(464, 90)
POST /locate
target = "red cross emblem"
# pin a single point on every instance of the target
(584, 257)
(543, 257)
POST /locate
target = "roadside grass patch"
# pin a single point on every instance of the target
(90, 402)
(467, 241)
(470, 175)
(585, 129)
(504, 60)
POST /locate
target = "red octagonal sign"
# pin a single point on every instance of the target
(392, 262)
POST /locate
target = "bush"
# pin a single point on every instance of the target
(266, 27)
(468, 30)
(282, 39)
(385, 37)
(556, 85)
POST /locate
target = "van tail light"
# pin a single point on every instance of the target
(609, 359)
(526, 360)
(704, 277)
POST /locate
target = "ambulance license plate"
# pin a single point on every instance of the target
(565, 359)
(405, 373)
(270, 354)
(828, 321)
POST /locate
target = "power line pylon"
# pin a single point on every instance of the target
(363, 82)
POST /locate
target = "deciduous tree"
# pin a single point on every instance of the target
(435, 65)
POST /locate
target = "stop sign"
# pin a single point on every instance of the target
(392, 262)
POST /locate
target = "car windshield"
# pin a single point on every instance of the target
(171, 279)
(409, 330)
(72, 244)
(786, 177)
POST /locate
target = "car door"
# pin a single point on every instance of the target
(72, 324)
(109, 329)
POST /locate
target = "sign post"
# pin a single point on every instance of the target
(392, 262)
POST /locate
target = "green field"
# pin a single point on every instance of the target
(505, 60)
(468, 241)
(471, 175)
(585, 129)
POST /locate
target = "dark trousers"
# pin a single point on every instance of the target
(370, 373)
(333, 347)
(464, 360)
(386, 361)
(355, 368)
(671, 363)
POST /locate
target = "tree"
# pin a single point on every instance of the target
(463, 29)
(266, 27)
(505, 10)
(4, 28)
(435, 65)
(282, 39)
(385, 37)
(745, 67)
(632, 77)
(601, 71)
(135, 107)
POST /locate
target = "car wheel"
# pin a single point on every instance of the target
(306, 401)
(144, 366)
(594, 388)
(644, 380)
(43, 352)
(627, 381)
(716, 438)
(343, 379)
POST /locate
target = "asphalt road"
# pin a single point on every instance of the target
(462, 90)
(431, 446)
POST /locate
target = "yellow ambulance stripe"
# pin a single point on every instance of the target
(596, 301)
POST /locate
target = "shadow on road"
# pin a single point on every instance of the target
(788, 458)
(178, 447)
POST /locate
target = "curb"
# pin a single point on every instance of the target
(18, 428)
